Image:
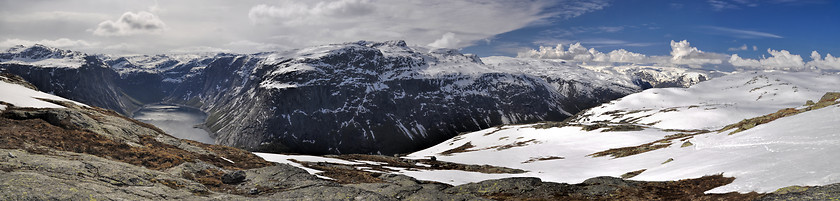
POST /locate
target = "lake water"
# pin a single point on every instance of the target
(178, 121)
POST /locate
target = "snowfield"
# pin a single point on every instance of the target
(714, 104)
(795, 150)
(20, 96)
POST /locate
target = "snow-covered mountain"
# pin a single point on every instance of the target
(767, 129)
(43, 56)
(360, 97)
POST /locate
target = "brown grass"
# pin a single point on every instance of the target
(459, 149)
(343, 174)
(686, 189)
(535, 159)
(632, 174)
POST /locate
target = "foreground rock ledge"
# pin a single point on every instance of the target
(82, 153)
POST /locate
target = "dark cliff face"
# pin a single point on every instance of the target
(362, 97)
(92, 83)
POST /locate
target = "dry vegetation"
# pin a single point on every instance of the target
(358, 173)
(37, 135)
(535, 159)
(658, 144)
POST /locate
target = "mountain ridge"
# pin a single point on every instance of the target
(401, 94)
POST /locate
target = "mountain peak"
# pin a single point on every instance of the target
(45, 56)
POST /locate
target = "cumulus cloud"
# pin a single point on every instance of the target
(306, 23)
(579, 53)
(131, 24)
(448, 40)
(683, 53)
(828, 63)
(779, 60)
(59, 43)
(742, 48)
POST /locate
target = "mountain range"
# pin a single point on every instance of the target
(359, 97)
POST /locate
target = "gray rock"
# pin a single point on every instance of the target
(603, 186)
(328, 193)
(280, 177)
(71, 176)
(233, 177)
(520, 187)
(827, 192)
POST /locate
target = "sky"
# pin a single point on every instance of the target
(752, 29)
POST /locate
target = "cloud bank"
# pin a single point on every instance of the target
(438, 23)
(683, 54)
(58, 43)
(130, 24)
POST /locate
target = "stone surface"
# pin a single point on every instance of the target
(233, 177)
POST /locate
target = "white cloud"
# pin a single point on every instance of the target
(755, 48)
(59, 43)
(576, 52)
(62, 16)
(739, 33)
(683, 53)
(448, 40)
(720, 5)
(306, 23)
(131, 24)
(199, 49)
(742, 48)
(251, 46)
(829, 62)
(779, 60)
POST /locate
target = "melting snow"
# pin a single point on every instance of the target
(795, 150)
(20, 96)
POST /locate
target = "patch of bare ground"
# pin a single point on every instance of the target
(549, 124)
(467, 147)
(547, 158)
(459, 149)
(611, 127)
(632, 174)
(827, 99)
(658, 144)
(686, 189)
(369, 172)
(512, 145)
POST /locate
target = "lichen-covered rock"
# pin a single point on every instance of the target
(827, 192)
(233, 177)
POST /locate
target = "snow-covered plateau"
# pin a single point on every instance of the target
(669, 134)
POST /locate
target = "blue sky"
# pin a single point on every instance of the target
(648, 26)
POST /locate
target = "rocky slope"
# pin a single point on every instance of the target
(361, 97)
